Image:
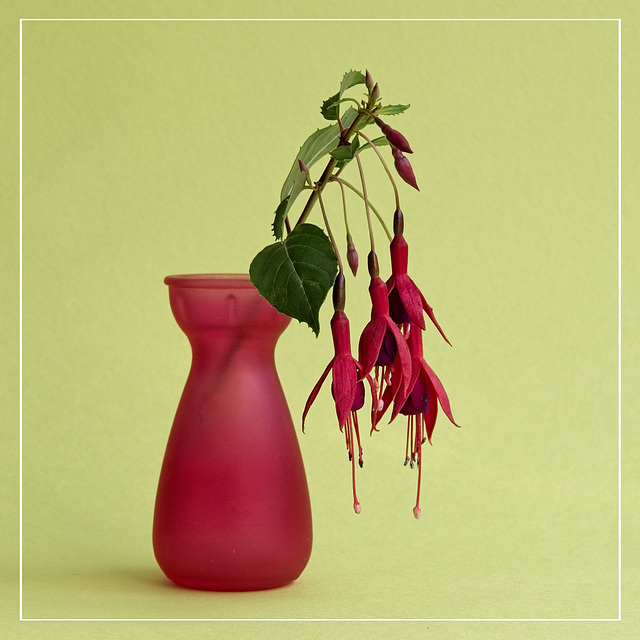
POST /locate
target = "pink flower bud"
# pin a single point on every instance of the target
(395, 138)
(352, 257)
(403, 167)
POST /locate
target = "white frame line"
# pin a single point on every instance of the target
(619, 618)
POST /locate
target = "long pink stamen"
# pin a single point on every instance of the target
(356, 505)
(357, 430)
(416, 510)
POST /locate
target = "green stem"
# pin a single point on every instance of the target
(330, 233)
(386, 167)
(366, 203)
(342, 181)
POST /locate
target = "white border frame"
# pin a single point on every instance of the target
(619, 618)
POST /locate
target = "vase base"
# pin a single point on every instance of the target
(231, 585)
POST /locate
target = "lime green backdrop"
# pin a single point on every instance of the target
(152, 148)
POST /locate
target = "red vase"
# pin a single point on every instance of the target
(232, 509)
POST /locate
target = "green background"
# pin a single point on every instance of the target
(152, 148)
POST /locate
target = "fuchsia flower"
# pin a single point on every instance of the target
(406, 302)
(421, 406)
(347, 389)
(382, 344)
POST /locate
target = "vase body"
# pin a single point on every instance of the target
(232, 509)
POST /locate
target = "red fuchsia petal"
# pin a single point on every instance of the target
(345, 379)
(402, 399)
(358, 400)
(430, 415)
(314, 392)
(402, 366)
(404, 168)
(411, 299)
(429, 310)
(440, 392)
(371, 343)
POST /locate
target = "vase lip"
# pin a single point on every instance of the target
(210, 281)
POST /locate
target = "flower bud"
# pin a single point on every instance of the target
(375, 92)
(339, 294)
(395, 138)
(404, 169)
(352, 255)
(372, 264)
(398, 222)
(368, 80)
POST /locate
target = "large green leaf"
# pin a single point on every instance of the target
(330, 108)
(296, 274)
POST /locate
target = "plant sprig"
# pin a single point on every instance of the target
(315, 265)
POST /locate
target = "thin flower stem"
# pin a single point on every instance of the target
(385, 165)
(342, 181)
(366, 203)
(344, 208)
(330, 233)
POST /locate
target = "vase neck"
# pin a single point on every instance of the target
(222, 314)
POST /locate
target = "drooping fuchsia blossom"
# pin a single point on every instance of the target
(421, 406)
(347, 389)
(406, 302)
(382, 344)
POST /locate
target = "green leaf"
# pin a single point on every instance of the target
(331, 107)
(281, 214)
(351, 79)
(296, 274)
(379, 142)
(392, 109)
(345, 153)
(317, 145)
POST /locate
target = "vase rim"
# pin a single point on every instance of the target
(210, 281)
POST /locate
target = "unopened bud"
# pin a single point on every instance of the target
(398, 222)
(372, 264)
(375, 92)
(417, 512)
(404, 169)
(339, 294)
(352, 255)
(395, 138)
(368, 79)
(356, 507)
